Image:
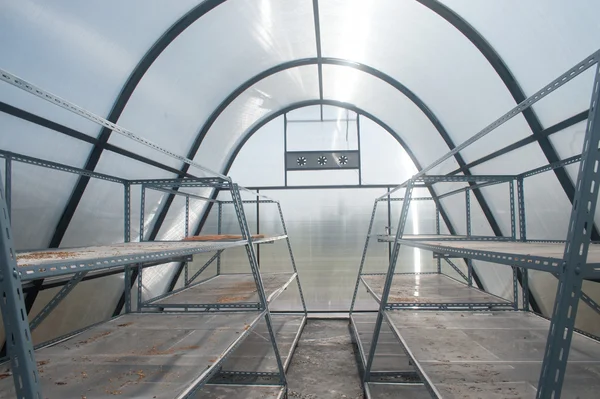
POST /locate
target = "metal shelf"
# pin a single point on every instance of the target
(431, 291)
(490, 355)
(440, 237)
(390, 358)
(48, 263)
(255, 354)
(230, 290)
(229, 391)
(544, 256)
(379, 390)
(140, 355)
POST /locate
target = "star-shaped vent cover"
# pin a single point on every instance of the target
(322, 160)
(343, 160)
(301, 161)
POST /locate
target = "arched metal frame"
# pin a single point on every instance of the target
(302, 104)
(203, 8)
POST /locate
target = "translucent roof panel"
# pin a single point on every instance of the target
(546, 38)
(388, 104)
(210, 59)
(424, 52)
(263, 98)
(77, 50)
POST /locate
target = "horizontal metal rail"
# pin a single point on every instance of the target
(59, 166)
(176, 192)
(575, 71)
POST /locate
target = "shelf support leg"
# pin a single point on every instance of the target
(247, 236)
(388, 279)
(219, 226)
(127, 289)
(142, 206)
(437, 231)
(187, 215)
(575, 256)
(140, 286)
(289, 245)
(468, 209)
(8, 185)
(364, 256)
(14, 314)
(523, 237)
(126, 212)
(513, 219)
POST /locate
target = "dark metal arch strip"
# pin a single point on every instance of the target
(132, 82)
(270, 117)
(513, 87)
(330, 61)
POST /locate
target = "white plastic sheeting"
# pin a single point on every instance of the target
(86, 52)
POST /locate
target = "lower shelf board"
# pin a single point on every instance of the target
(256, 354)
(227, 391)
(227, 289)
(139, 356)
(378, 390)
(389, 355)
(491, 354)
(429, 289)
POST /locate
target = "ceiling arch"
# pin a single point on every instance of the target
(270, 117)
(206, 6)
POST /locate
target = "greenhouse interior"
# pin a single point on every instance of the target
(309, 199)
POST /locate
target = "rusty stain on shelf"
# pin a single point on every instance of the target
(95, 337)
(154, 351)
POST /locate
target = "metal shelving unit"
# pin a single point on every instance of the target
(463, 341)
(172, 353)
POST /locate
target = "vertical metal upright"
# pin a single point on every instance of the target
(468, 213)
(187, 233)
(247, 236)
(19, 344)
(389, 278)
(289, 245)
(523, 237)
(513, 235)
(127, 238)
(364, 256)
(8, 184)
(437, 231)
(389, 221)
(219, 226)
(575, 256)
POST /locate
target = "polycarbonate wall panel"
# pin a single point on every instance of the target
(76, 51)
(261, 159)
(337, 135)
(265, 97)
(90, 302)
(38, 199)
(387, 104)
(383, 160)
(327, 229)
(323, 177)
(196, 72)
(26, 138)
(424, 52)
(569, 142)
(545, 39)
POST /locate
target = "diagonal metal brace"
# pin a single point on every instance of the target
(456, 269)
(590, 302)
(207, 264)
(64, 291)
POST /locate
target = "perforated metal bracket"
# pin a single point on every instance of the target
(19, 345)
